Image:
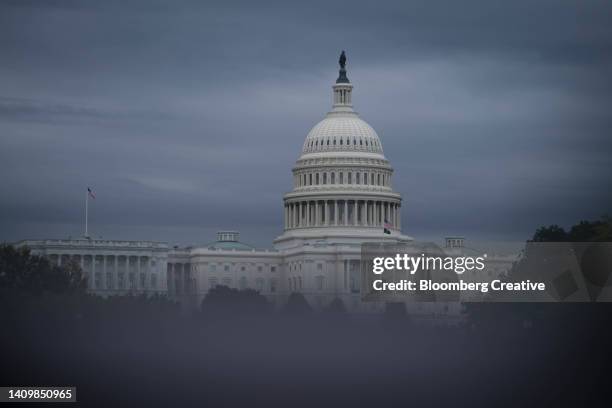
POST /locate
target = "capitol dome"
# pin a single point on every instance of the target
(342, 131)
(342, 191)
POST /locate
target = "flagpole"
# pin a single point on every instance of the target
(86, 205)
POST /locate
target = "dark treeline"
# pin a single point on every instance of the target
(239, 350)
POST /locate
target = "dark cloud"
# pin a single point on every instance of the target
(188, 117)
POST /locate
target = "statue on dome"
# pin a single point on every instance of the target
(342, 60)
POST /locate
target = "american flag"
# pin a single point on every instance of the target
(387, 227)
(91, 193)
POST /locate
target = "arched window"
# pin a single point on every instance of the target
(324, 178)
(365, 178)
(333, 178)
(310, 176)
(350, 178)
(317, 179)
(357, 177)
(341, 178)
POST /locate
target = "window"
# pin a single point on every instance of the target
(143, 281)
(132, 280)
(227, 281)
(320, 282)
(273, 269)
(324, 178)
(333, 178)
(259, 268)
(120, 280)
(310, 179)
(341, 178)
(213, 282)
(259, 283)
(350, 178)
(357, 178)
(272, 285)
(109, 280)
(365, 178)
(372, 178)
(378, 179)
(243, 283)
(153, 281)
(98, 280)
(226, 268)
(319, 267)
(212, 268)
(317, 179)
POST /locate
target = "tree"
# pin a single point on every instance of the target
(297, 305)
(336, 308)
(584, 231)
(224, 300)
(22, 271)
(552, 233)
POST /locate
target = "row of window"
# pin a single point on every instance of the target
(322, 178)
(143, 283)
(226, 268)
(260, 283)
(296, 285)
(361, 142)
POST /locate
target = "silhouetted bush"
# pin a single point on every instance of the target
(336, 308)
(224, 300)
(297, 305)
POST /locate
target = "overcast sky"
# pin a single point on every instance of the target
(187, 118)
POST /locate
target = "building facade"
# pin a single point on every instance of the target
(342, 197)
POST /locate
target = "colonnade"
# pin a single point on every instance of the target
(114, 272)
(180, 279)
(323, 213)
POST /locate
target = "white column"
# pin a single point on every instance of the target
(316, 221)
(335, 212)
(308, 218)
(355, 212)
(386, 212)
(326, 212)
(345, 212)
(367, 214)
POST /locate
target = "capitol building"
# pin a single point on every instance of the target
(342, 197)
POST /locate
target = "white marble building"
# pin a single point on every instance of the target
(342, 197)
